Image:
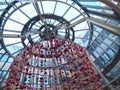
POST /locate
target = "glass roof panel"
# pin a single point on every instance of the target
(48, 7)
(23, 25)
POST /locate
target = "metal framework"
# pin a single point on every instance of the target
(96, 15)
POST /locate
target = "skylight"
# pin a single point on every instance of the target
(64, 19)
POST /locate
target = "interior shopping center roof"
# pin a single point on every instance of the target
(93, 24)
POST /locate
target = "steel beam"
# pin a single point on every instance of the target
(102, 75)
(101, 14)
(112, 5)
(108, 26)
(113, 63)
(97, 7)
(114, 81)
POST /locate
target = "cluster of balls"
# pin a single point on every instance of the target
(71, 68)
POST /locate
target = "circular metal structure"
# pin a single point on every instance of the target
(33, 22)
(90, 23)
(45, 31)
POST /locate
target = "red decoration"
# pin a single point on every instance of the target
(57, 64)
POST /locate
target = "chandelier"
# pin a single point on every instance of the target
(54, 64)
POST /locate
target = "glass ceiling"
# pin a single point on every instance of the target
(86, 22)
(28, 23)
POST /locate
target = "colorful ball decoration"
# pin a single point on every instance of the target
(55, 64)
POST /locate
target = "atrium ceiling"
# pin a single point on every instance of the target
(93, 24)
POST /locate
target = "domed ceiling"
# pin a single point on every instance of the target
(93, 24)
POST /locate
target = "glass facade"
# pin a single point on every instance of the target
(93, 24)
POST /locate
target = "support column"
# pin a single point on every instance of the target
(110, 27)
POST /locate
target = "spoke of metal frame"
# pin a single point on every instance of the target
(105, 43)
(75, 18)
(110, 27)
(81, 30)
(24, 13)
(41, 6)
(16, 21)
(12, 44)
(74, 24)
(107, 37)
(102, 75)
(4, 77)
(38, 11)
(15, 6)
(55, 7)
(101, 14)
(67, 10)
(69, 26)
(19, 35)
(17, 51)
(112, 5)
(10, 30)
(12, 36)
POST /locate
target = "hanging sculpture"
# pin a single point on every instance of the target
(56, 64)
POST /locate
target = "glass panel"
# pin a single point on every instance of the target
(94, 45)
(1, 55)
(98, 41)
(10, 60)
(101, 60)
(106, 57)
(98, 64)
(4, 58)
(111, 52)
(91, 48)
(101, 37)
(6, 66)
(105, 32)
(115, 46)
